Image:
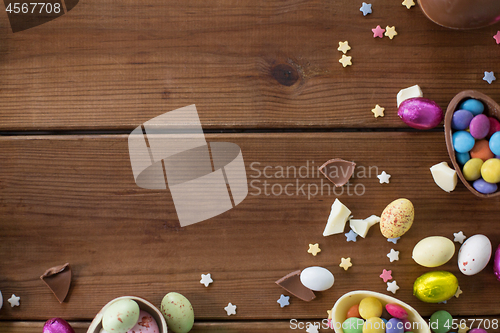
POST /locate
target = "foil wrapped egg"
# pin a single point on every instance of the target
(420, 113)
(435, 287)
(57, 325)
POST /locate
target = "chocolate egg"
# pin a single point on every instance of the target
(435, 287)
(474, 254)
(178, 312)
(57, 325)
(145, 324)
(496, 263)
(120, 316)
(420, 113)
(397, 218)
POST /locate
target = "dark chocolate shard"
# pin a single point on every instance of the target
(291, 283)
(338, 171)
(58, 279)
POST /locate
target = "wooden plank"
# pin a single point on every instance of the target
(245, 64)
(270, 326)
(73, 199)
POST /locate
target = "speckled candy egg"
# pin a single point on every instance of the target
(420, 113)
(435, 287)
(145, 324)
(178, 312)
(57, 325)
(397, 218)
(120, 316)
(474, 254)
(433, 251)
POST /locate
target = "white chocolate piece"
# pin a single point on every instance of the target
(444, 176)
(337, 219)
(410, 92)
(361, 226)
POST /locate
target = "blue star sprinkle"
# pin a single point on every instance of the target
(394, 240)
(351, 236)
(284, 300)
(366, 8)
(489, 77)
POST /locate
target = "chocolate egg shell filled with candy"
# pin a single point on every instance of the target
(420, 113)
(491, 109)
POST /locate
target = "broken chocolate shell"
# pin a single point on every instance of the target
(58, 279)
(291, 283)
(338, 171)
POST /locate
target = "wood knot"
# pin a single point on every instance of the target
(285, 74)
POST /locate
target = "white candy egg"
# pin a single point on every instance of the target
(433, 251)
(316, 278)
(474, 254)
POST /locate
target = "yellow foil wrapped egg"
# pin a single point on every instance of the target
(435, 287)
(397, 218)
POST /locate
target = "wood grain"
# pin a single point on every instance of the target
(73, 199)
(112, 65)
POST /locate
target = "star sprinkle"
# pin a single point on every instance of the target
(351, 236)
(378, 111)
(458, 292)
(206, 279)
(284, 300)
(384, 177)
(344, 47)
(345, 60)
(393, 240)
(230, 309)
(312, 329)
(366, 8)
(392, 286)
(14, 300)
(443, 302)
(459, 237)
(314, 249)
(386, 275)
(497, 37)
(378, 32)
(489, 77)
(408, 3)
(390, 32)
(393, 255)
(345, 263)
(463, 328)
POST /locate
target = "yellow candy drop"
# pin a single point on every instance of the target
(370, 307)
(374, 325)
(490, 170)
(472, 169)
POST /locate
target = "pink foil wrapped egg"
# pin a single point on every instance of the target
(496, 263)
(420, 113)
(57, 325)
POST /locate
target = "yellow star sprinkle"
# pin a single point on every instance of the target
(314, 249)
(408, 3)
(329, 312)
(378, 111)
(346, 263)
(345, 60)
(344, 47)
(459, 291)
(463, 328)
(390, 32)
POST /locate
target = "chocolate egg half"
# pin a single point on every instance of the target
(420, 113)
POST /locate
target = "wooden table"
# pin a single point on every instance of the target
(264, 75)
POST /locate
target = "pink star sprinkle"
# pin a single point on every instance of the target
(497, 37)
(378, 32)
(386, 275)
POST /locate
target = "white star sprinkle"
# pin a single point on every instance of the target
(206, 279)
(14, 300)
(230, 309)
(393, 255)
(459, 237)
(312, 329)
(392, 286)
(384, 177)
(284, 300)
(489, 77)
